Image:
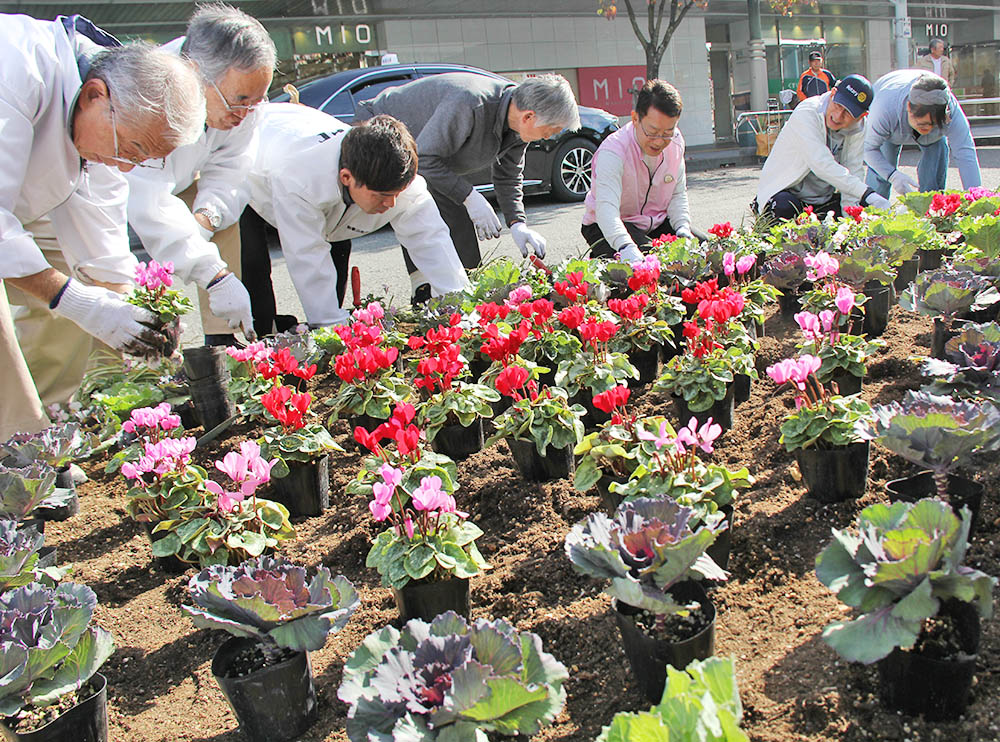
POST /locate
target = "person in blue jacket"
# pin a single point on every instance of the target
(917, 107)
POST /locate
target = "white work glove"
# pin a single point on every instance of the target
(685, 233)
(631, 254)
(486, 221)
(903, 183)
(103, 314)
(523, 237)
(877, 200)
(229, 300)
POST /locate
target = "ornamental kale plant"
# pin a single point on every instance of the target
(23, 490)
(785, 271)
(645, 550)
(700, 702)
(937, 433)
(18, 554)
(57, 446)
(450, 680)
(49, 646)
(970, 370)
(948, 294)
(895, 569)
(274, 602)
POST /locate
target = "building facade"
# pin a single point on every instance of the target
(707, 59)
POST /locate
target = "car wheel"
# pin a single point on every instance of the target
(571, 169)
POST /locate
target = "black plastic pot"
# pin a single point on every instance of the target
(212, 403)
(668, 350)
(905, 274)
(721, 412)
(847, 383)
(649, 657)
(306, 489)
(172, 565)
(592, 417)
(187, 414)
(647, 363)
(37, 523)
(458, 442)
(425, 600)
(85, 722)
(723, 544)
(557, 463)
(207, 362)
(609, 500)
(929, 259)
(48, 556)
(273, 704)
(942, 334)
(789, 304)
(741, 388)
(837, 474)
(962, 492)
(64, 478)
(876, 309)
(59, 512)
(938, 689)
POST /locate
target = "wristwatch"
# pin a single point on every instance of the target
(213, 216)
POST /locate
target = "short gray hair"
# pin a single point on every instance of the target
(552, 100)
(146, 83)
(221, 37)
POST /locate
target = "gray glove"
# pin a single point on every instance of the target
(228, 299)
(103, 314)
(524, 237)
(486, 221)
(684, 233)
(630, 254)
(877, 200)
(903, 183)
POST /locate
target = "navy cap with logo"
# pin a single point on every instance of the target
(854, 93)
(815, 55)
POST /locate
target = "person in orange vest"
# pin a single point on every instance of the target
(815, 80)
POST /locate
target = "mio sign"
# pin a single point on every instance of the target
(937, 30)
(608, 87)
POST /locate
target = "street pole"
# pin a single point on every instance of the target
(901, 33)
(758, 60)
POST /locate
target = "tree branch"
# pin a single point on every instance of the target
(635, 27)
(676, 17)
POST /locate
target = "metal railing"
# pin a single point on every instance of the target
(753, 117)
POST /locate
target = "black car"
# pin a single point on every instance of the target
(560, 165)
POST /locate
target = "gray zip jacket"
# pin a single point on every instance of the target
(459, 121)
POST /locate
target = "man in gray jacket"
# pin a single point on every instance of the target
(464, 122)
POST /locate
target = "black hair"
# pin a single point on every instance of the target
(660, 95)
(938, 113)
(381, 154)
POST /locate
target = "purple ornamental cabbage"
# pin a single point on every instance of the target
(270, 600)
(57, 446)
(450, 680)
(18, 554)
(786, 271)
(948, 293)
(22, 490)
(971, 369)
(647, 548)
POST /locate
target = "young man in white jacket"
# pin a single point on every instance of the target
(817, 159)
(317, 181)
(189, 222)
(73, 102)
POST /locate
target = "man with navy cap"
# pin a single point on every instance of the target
(817, 158)
(916, 107)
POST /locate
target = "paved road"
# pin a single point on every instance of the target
(715, 195)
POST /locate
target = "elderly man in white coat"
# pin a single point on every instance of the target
(72, 102)
(319, 181)
(236, 57)
(817, 159)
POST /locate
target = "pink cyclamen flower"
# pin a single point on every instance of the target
(390, 475)
(826, 319)
(369, 315)
(520, 294)
(807, 365)
(408, 526)
(782, 371)
(821, 265)
(153, 276)
(429, 496)
(729, 263)
(226, 500)
(844, 300)
(661, 439)
(707, 433)
(809, 323)
(745, 263)
(380, 511)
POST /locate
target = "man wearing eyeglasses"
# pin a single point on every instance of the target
(817, 158)
(186, 211)
(73, 101)
(639, 186)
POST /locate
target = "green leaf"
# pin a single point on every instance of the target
(167, 546)
(505, 698)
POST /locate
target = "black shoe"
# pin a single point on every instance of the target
(421, 294)
(226, 340)
(285, 322)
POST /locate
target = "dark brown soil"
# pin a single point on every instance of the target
(770, 614)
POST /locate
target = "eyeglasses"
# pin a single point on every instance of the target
(665, 137)
(157, 163)
(238, 109)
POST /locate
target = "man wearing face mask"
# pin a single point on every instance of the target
(190, 222)
(73, 101)
(639, 188)
(317, 180)
(817, 159)
(464, 122)
(917, 108)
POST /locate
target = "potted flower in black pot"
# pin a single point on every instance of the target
(822, 432)
(971, 365)
(786, 272)
(24, 490)
(918, 605)
(642, 332)
(843, 356)
(701, 379)
(653, 558)
(938, 434)
(607, 455)
(700, 702)
(19, 554)
(946, 295)
(57, 446)
(466, 681)
(49, 685)
(277, 614)
(541, 427)
(301, 476)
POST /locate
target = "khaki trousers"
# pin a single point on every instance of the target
(228, 242)
(20, 407)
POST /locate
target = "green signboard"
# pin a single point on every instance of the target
(334, 37)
